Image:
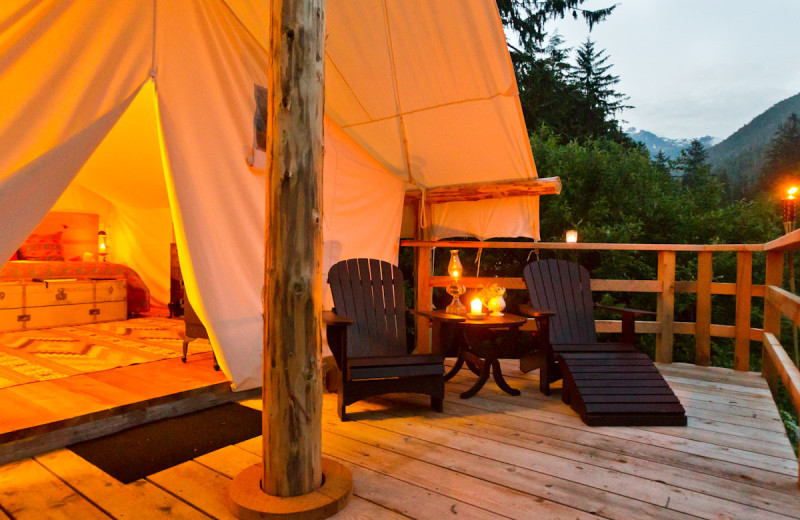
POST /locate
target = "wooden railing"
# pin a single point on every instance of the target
(776, 364)
(665, 287)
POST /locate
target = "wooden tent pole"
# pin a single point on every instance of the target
(291, 475)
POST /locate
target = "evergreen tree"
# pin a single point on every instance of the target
(600, 102)
(661, 163)
(693, 163)
(527, 18)
(548, 94)
(782, 156)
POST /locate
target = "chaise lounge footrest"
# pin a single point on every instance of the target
(618, 389)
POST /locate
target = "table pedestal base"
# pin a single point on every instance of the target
(481, 367)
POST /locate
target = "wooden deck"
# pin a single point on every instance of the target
(491, 456)
(36, 417)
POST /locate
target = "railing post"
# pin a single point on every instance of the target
(744, 281)
(702, 331)
(665, 306)
(772, 315)
(422, 298)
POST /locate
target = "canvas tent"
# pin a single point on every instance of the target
(142, 112)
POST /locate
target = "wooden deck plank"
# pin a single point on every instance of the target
(652, 437)
(139, 499)
(29, 491)
(722, 398)
(397, 497)
(729, 408)
(727, 388)
(481, 491)
(198, 485)
(462, 420)
(721, 433)
(39, 407)
(705, 457)
(474, 462)
(713, 374)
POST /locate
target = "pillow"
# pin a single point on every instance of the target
(46, 248)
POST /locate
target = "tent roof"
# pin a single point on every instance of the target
(427, 87)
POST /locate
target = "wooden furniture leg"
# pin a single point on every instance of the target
(499, 379)
(484, 376)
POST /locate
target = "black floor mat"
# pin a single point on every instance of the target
(143, 450)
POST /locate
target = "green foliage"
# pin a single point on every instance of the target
(577, 101)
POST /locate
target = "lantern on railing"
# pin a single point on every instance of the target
(102, 245)
(789, 210)
(572, 236)
(455, 289)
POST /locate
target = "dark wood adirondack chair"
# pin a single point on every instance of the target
(565, 288)
(367, 335)
(606, 383)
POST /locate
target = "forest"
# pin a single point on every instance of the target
(614, 191)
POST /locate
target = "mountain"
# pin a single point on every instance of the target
(671, 147)
(739, 158)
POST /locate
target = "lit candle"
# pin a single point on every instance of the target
(476, 306)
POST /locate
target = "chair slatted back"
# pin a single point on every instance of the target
(565, 288)
(370, 292)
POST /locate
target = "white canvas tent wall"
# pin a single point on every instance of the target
(142, 112)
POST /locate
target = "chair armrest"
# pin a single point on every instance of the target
(628, 319)
(330, 318)
(635, 312)
(438, 316)
(535, 313)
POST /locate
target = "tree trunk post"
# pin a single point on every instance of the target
(289, 482)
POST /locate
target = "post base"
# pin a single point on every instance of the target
(249, 502)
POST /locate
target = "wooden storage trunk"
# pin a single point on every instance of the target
(41, 305)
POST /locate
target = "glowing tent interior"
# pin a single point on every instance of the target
(142, 112)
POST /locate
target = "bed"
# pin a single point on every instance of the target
(57, 248)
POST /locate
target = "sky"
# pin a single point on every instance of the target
(696, 67)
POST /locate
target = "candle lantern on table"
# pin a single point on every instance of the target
(455, 289)
(476, 308)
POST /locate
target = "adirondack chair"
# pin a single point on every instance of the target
(367, 335)
(607, 384)
(565, 288)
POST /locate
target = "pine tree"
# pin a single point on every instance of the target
(782, 156)
(596, 85)
(548, 95)
(661, 163)
(527, 18)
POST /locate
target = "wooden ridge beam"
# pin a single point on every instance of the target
(487, 190)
